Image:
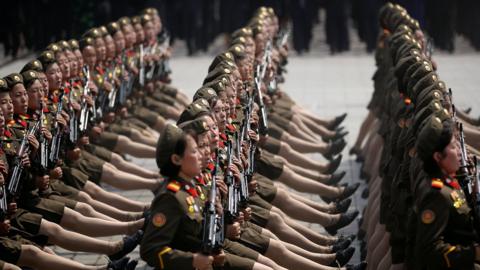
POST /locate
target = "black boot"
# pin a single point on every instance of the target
(345, 219)
(336, 147)
(129, 244)
(337, 121)
(118, 264)
(347, 192)
(341, 245)
(343, 256)
(131, 265)
(342, 206)
(336, 178)
(360, 266)
(334, 164)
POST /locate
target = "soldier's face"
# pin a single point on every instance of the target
(19, 98)
(64, 64)
(54, 77)
(158, 24)
(213, 131)
(449, 159)
(129, 35)
(219, 112)
(140, 35)
(190, 162)
(149, 30)
(42, 78)
(73, 62)
(119, 40)
(35, 94)
(78, 55)
(2, 122)
(6, 105)
(110, 44)
(231, 97)
(203, 144)
(90, 56)
(100, 49)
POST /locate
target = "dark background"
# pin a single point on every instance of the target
(30, 25)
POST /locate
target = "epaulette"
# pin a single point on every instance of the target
(437, 183)
(174, 186)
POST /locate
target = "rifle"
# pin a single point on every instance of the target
(85, 111)
(73, 123)
(263, 128)
(232, 200)
(43, 143)
(213, 223)
(14, 183)
(243, 189)
(3, 203)
(282, 37)
(57, 138)
(141, 73)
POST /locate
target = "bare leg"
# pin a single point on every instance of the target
(320, 239)
(8, 266)
(314, 127)
(88, 211)
(303, 212)
(303, 184)
(320, 258)
(269, 262)
(126, 181)
(314, 175)
(77, 242)
(140, 150)
(303, 132)
(33, 257)
(303, 146)
(381, 250)
(364, 128)
(97, 227)
(299, 159)
(323, 207)
(107, 209)
(386, 262)
(277, 225)
(113, 199)
(131, 167)
(137, 136)
(159, 125)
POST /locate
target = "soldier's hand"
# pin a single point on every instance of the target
(5, 227)
(65, 116)
(56, 173)
(3, 168)
(88, 100)
(218, 206)
(93, 87)
(247, 213)
(107, 86)
(253, 135)
(61, 121)
(12, 208)
(219, 259)
(33, 142)
(234, 230)
(202, 262)
(46, 133)
(222, 187)
(76, 106)
(25, 160)
(252, 186)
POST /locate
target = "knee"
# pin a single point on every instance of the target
(31, 253)
(84, 197)
(93, 190)
(116, 158)
(84, 208)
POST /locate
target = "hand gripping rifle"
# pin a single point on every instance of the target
(14, 183)
(57, 137)
(213, 222)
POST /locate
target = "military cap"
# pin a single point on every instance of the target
(199, 126)
(113, 28)
(219, 84)
(13, 79)
(150, 11)
(216, 73)
(206, 93)
(384, 14)
(429, 136)
(47, 58)
(239, 40)
(257, 29)
(193, 110)
(64, 45)
(167, 143)
(3, 85)
(238, 51)
(427, 97)
(425, 93)
(123, 21)
(420, 73)
(407, 74)
(92, 33)
(85, 42)
(33, 65)
(103, 30)
(145, 18)
(403, 64)
(136, 20)
(74, 44)
(54, 47)
(423, 83)
(425, 112)
(29, 77)
(242, 32)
